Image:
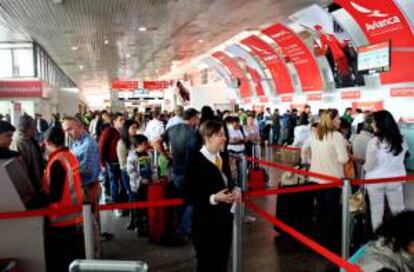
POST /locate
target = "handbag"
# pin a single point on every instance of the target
(349, 169)
(357, 202)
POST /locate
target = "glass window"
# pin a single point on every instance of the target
(23, 62)
(6, 67)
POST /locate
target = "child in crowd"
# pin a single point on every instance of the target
(140, 173)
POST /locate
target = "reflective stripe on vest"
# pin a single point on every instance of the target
(72, 192)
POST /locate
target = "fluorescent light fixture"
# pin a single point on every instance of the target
(74, 48)
(142, 29)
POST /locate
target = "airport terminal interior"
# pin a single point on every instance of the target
(207, 135)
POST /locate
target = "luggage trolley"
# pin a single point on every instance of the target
(108, 266)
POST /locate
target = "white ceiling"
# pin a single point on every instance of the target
(175, 28)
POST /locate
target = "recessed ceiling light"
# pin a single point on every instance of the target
(106, 42)
(127, 55)
(81, 67)
(74, 48)
(142, 29)
(201, 41)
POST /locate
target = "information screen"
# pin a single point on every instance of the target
(374, 57)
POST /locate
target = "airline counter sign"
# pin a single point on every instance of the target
(381, 22)
(314, 97)
(125, 85)
(273, 61)
(263, 99)
(368, 106)
(156, 85)
(296, 51)
(286, 99)
(21, 89)
(351, 95)
(402, 92)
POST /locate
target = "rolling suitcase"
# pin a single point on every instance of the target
(257, 176)
(160, 219)
(107, 266)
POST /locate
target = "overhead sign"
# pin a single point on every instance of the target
(236, 71)
(156, 85)
(263, 99)
(368, 106)
(381, 22)
(273, 61)
(125, 85)
(21, 89)
(286, 98)
(351, 95)
(374, 57)
(296, 51)
(402, 92)
(314, 97)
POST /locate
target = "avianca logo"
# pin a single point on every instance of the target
(279, 34)
(371, 13)
(377, 24)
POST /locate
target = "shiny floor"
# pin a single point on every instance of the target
(260, 250)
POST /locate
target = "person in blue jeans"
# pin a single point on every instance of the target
(124, 146)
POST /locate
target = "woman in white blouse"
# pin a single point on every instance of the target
(329, 153)
(385, 158)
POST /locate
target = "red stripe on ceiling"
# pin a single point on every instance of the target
(295, 50)
(273, 61)
(256, 80)
(236, 71)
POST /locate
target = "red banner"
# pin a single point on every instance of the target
(156, 85)
(257, 81)
(235, 70)
(274, 63)
(21, 89)
(258, 108)
(351, 95)
(286, 98)
(298, 106)
(314, 97)
(402, 92)
(296, 51)
(246, 100)
(125, 85)
(263, 99)
(381, 22)
(368, 106)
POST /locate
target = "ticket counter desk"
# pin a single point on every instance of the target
(21, 238)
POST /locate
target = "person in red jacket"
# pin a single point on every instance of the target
(109, 159)
(62, 189)
(329, 41)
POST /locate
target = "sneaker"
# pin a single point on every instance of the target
(107, 236)
(249, 219)
(130, 226)
(118, 213)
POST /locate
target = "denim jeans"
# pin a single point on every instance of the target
(186, 211)
(276, 135)
(114, 175)
(126, 184)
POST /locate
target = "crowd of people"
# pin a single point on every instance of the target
(72, 158)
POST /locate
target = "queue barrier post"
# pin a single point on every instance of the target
(88, 231)
(346, 193)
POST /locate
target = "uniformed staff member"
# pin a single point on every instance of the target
(62, 187)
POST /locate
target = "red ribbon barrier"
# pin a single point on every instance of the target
(409, 178)
(290, 148)
(304, 188)
(303, 239)
(141, 204)
(42, 212)
(294, 170)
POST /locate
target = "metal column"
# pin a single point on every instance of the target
(346, 193)
(88, 231)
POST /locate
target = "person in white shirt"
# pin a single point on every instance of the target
(329, 153)
(302, 131)
(385, 158)
(177, 119)
(236, 147)
(359, 144)
(155, 127)
(359, 118)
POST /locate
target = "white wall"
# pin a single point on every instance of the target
(68, 101)
(208, 95)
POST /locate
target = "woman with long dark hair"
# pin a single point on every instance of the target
(385, 158)
(129, 130)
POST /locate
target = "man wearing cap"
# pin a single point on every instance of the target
(25, 143)
(184, 143)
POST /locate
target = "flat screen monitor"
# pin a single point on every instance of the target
(374, 57)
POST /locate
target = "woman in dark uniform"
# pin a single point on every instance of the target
(211, 193)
